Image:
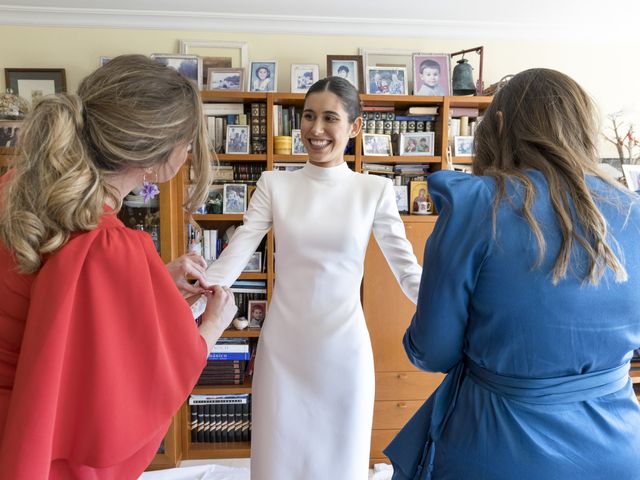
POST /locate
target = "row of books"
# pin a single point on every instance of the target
(240, 172)
(221, 115)
(285, 119)
(389, 127)
(220, 418)
(463, 126)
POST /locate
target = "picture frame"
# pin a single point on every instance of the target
(237, 139)
(9, 132)
(258, 81)
(463, 146)
(256, 313)
(34, 83)
(227, 79)
(417, 143)
(632, 176)
(234, 198)
(420, 203)
(386, 80)
(431, 74)
(389, 57)
(217, 54)
(254, 264)
(402, 198)
(347, 66)
(303, 75)
(190, 66)
(374, 144)
(297, 147)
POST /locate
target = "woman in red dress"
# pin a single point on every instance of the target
(98, 348)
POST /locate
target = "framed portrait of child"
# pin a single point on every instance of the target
(431, 74)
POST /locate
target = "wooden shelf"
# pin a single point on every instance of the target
(253, 276)
(462, 160)
(219, 450)
(218, 217)
(419, 218)
(241, 157)
(402, 100)
(246, 333)
(224, 389)
(401, 159)
(221, 96)
(480, 102)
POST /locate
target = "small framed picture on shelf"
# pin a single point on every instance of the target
(297, 147)
(431, 74)
(9, 132)
(419, 195)
(348, 67)
(416, 143)
(376, 144)
(632, 176)
(462, 146)
(189, 66)
(402, 198)
(387, 80)
(229, 79)
(263, 76)
(34, 83)
(303, 76)
(256, 313)
(237, 139)
(255, 263)
(234, 198)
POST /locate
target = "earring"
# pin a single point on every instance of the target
(149, 189)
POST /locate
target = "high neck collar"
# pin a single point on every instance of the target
(321, 173)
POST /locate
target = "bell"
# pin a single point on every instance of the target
(462, 78)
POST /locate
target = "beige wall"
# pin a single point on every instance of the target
(606, 70)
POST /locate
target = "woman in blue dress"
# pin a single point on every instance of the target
(529, 301)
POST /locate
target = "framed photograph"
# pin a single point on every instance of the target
(462, 146)
(225, 79)
(419, 196)
(263, 75)
(34, 83)
(303, 76)
(417, 143)
(256, 312)
(237, 139)
(402, 198)
(347, 66)
(189, 66)
(255, 263)
(431, 74)
(216, 54)
(9, 132)
(632, 176)
(389, 57)
(234, 198)
(387, 80)
(297, 147)
(376, 144)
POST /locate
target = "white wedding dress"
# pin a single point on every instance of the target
(313, 386)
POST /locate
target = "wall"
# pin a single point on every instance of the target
(605, 70)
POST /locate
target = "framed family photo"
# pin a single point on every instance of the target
(225, 79)
(190, 66)
(263, 76)
(463, 146)
(417, 143)
(297, 147)
(237, 139)
(348, 67)
(234, 198)
(255, 263)
(376, 144)
(387, 80)
(632, 176)
(303, 76)
(34, 83)
(431, 74)
(256, 312)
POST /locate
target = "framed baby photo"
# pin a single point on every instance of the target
(303, 76)
(419, 198)
(34, 83)
(462, 146)
(228, 79)
(387, 80)
(417, 143)
(237, 139)
(255, 263)
(431, 72)
(234, 198)
(189, 66)
(297, 147)
(348, 67)
(256, 312)
(632, 176)
(262, 77)
(376, 144)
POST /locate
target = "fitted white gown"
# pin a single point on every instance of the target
(313, 386)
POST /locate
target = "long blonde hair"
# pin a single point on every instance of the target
(543, 120)
(130, 113)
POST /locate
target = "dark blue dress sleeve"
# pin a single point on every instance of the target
(453, 257)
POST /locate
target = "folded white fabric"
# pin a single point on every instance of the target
(199, 472)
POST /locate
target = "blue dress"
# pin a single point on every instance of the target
(537, 384)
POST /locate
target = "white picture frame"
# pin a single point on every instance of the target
(389, 57)
(374, 144)
(297, 147)
(303, 75)
(190, 66)
(260, 83)
(632, 176)
(386, 80)
(439, 63)
(234, 198)
(402, 198)
(462, 146)
(213, 51)
(417, 144)
(254, 264)
(237, 141)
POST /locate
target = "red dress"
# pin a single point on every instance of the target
(97, 351)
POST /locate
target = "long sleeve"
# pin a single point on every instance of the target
(452, 260)
(390, 234)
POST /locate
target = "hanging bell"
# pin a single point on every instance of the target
(462, 78)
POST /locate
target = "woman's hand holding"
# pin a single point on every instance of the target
(192, 265)
(220, 311)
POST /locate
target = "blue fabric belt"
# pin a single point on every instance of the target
(546, 391)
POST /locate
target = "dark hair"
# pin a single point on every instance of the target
(343, 68)
(344, 90)
(428, 63)
(263, 67)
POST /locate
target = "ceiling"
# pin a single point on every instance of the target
(579, 19)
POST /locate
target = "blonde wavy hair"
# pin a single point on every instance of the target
(131, 113)
(543, 120)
